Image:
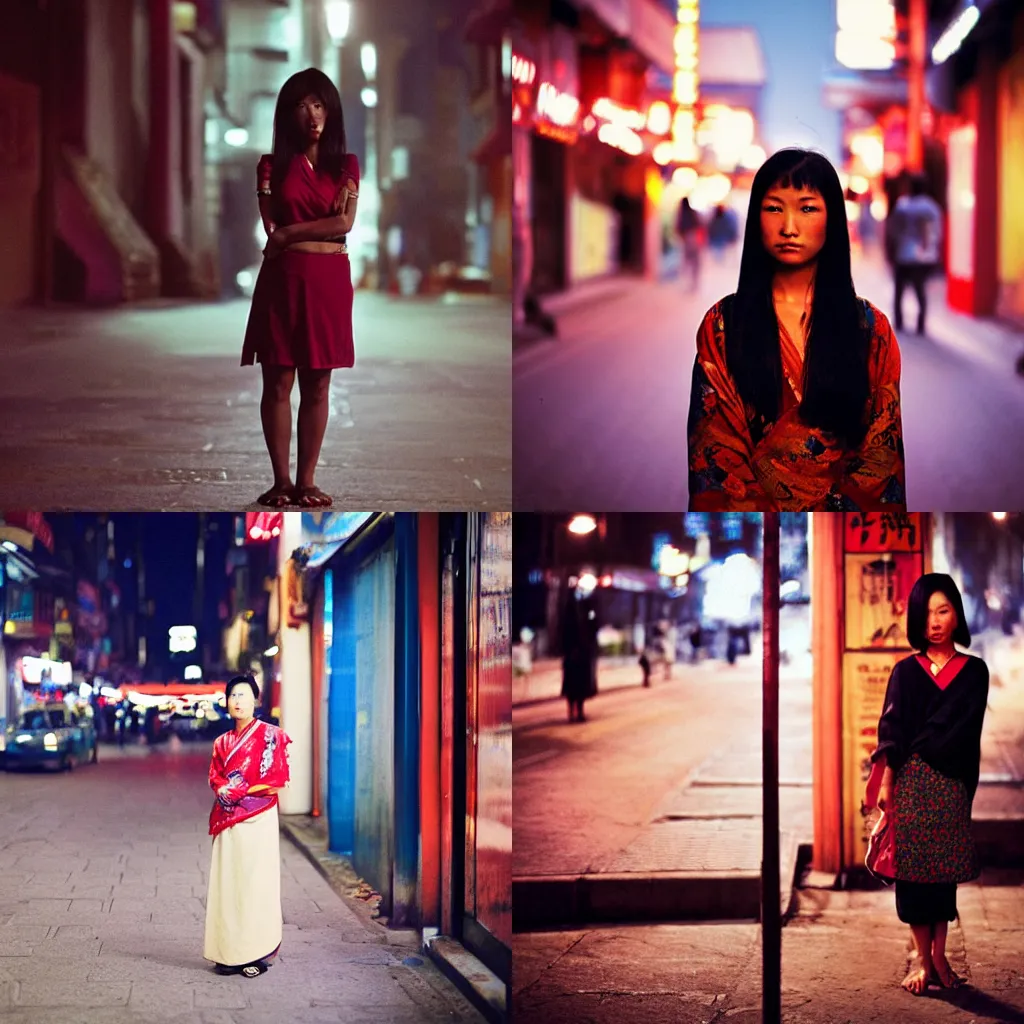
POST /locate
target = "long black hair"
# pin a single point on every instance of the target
(289, 142)
(836, 386)
(917, 609)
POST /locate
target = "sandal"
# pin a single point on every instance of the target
(955, 981)
(311, 497)
(276, 497)
(254, 970)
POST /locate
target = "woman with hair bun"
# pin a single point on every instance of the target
(244, 923)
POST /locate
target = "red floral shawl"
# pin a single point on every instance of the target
(247, 765)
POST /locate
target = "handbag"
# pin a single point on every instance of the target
(881, 855)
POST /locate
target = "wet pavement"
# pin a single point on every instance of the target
(147, 408)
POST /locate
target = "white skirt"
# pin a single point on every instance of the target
(243, 903)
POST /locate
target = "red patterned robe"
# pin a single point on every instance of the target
(793, 467)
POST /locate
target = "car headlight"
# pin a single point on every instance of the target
(50, 741)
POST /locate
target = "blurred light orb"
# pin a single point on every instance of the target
(659, 118)
(369, 97)
(859, 184)
(368, 58)
(339, 17)
(236, 137)
(581, 525)
(587, 582)
(685, 178)
(878, 209)
(998, 516)
(754, 157)
(244, 279)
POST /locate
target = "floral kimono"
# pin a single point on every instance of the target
(243, 907)
(739, 464)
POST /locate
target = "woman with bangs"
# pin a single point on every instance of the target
(795, 401)
(301, 316)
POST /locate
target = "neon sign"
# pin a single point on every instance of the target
(559, 108)
(866, 36)
(524, 71)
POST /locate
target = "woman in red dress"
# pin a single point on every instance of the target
(301, 316)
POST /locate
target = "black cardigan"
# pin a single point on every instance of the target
(942, 726)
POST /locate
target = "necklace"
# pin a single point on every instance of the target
(937, 667)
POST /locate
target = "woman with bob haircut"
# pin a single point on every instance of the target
(795, 400)
(301, 315)
(926, 769)
(244, 923)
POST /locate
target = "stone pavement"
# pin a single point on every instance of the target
(102, 907)
(843, 956)
(147, 408)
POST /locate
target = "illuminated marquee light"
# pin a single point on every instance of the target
(685, 85)
(621, 137)
(623, 116)
(524, 71)
(559, 108)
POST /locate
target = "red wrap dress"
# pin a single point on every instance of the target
(301, 311)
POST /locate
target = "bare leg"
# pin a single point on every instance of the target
(917, 980)
(314, 405)
(276, 416)
(940, 965)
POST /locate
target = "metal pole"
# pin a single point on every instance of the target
(771, 917)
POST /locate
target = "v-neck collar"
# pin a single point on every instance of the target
(239, 740)
(947, 673)
(792, 362)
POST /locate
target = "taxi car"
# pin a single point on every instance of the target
(51, 734)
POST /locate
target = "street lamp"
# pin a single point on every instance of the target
(582, 525)
(339, 17)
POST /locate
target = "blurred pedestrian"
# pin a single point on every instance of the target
(579, 654)
(249, 768)
(696, 642)
(690, 230)
(722, 232)
(301, 316)
(795, 401)
(916, 237)
(669, 645)
(925, 771)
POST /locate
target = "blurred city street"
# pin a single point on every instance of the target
(148, 408)
(601, 410)
(102, 908)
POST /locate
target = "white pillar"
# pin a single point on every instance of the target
(296, 685)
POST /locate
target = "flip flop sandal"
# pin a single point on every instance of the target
(254, 970)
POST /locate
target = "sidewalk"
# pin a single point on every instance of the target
(697, 856)
(477, 982)
(843, 957)
(544, 681)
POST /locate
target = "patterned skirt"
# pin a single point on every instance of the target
(932, 823)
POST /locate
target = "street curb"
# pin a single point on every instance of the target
(484, 989)
(999, 840)
(481, 986)
(545, 902)
(551, 901)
